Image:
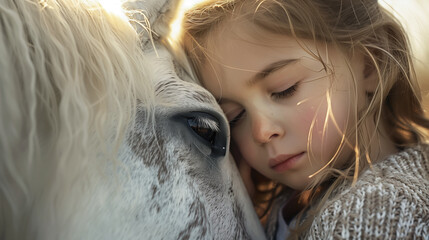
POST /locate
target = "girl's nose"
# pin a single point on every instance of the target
(265, 128)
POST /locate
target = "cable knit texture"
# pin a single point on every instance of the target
(389, 201)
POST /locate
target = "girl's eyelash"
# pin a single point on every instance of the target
(278, 95)
(286, 93)
(234, 121)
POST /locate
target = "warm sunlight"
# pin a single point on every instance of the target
(414, 14)
(176, 24)
(113, 6)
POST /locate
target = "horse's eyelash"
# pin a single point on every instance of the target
(208, 123)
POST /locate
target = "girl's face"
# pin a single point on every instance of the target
(288, 115)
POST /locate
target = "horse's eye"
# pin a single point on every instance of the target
(207, 131)
(205, 128)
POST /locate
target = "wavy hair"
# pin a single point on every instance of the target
(71, 77)
(351, 26)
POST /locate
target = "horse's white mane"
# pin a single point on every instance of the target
(100, 137)
(66, 66)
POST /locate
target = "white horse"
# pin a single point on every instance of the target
(100, 140)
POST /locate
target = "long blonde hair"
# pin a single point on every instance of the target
(361, 26)
(71, 77)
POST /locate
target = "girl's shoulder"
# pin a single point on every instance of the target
(391, 199)
(413, 162)
(404, 170)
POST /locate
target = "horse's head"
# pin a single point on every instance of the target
(195, 188)
(193, 176)
(102, 140)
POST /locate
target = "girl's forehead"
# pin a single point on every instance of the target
(233, 37)
(247, 37)
(239, 31)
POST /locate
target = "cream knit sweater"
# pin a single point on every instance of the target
(389, 201)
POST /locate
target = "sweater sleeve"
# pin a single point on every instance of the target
(378, 208)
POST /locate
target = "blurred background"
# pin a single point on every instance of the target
(414, 14)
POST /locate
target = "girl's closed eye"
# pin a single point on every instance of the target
(286, 93)
(236, 119)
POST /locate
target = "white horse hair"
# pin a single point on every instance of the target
(100, 139)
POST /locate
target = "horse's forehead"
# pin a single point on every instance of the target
(177, 92)
(170, 89)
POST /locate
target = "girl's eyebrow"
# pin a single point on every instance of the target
(271, 68)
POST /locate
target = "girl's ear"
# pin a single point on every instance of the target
(370, 76)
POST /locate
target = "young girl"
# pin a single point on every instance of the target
(322, 101)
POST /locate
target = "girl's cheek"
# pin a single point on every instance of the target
(312, 120)
(240, 138)
(309, 113)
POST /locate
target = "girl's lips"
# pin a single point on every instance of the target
(284, 162)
